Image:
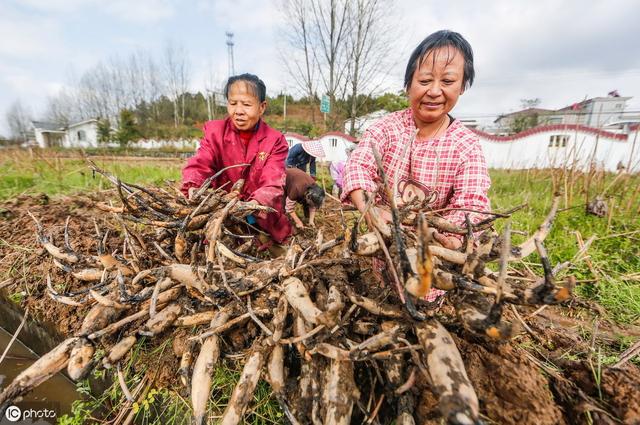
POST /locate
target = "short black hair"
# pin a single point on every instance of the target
(314, 196)
(257, 86)
(437, 40)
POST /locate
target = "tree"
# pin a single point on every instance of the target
(342, 47)
(524, 122)
(62, 108)
(530, 103)
(391, 102)
(176, 75)
(19, 120)
(299, 56)
(369, 46)
(127, 130)
(528, 118)
(104, 130)
(331, 26)
(317, 35)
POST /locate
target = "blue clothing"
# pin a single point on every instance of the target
(299, 158)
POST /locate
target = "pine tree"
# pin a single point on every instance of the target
(128, 130)
(104, 130)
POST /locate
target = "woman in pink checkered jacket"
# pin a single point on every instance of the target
(429, 155)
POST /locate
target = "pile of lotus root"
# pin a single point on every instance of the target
(329, 336)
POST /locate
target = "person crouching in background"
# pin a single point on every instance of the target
(304, 154)
(301, 188)
(336, 169)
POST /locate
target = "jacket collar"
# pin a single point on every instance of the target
(252, 149)
(261, 129)
(410, 124)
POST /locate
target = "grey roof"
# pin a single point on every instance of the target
(76, 124)
(46, 125)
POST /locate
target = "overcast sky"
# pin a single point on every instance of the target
(558, 51)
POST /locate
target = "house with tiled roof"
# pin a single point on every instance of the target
(294, 138)
(594, 112)
(83, 134)
(46, 134)
(335, 145)
(537, 115)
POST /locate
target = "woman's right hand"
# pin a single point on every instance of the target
(384, 214)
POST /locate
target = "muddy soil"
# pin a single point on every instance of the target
(524, 381)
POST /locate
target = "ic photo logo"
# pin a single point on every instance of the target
(13, 413)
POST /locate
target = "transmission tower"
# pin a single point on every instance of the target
(230, 52)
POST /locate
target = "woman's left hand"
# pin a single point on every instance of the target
(258, 214)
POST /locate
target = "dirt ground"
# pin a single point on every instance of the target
(529, 380)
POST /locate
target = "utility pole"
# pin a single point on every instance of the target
(230, 53)
(285, 104)
(209, 114)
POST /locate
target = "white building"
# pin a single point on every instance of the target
(595, 112)
(295, 138)
(558, 145)
(364, 121)
(47, 135)
(335, 145)
(155, 144)
(83, 134)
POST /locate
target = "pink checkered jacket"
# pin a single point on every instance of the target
(445, 172)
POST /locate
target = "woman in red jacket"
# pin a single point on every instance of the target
(244, 138)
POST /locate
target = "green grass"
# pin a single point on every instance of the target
(53, 174)
(164, 405)
(615, 253)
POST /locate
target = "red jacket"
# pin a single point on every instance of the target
(266, 153)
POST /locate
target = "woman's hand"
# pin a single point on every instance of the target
(449, 242)
(257, 214)
(383, 213)
(296, 220)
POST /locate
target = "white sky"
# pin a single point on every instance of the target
(558, 51)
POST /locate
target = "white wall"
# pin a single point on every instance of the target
(292, 141)
(90, 137)
(365, 121)
(334, 147)
(532, 150)
(40, 139)
(157, 144)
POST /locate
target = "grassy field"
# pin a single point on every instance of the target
(610, 276)
(59, 173)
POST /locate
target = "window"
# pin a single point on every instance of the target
(558, 141)
(334, 142)
(82, 136)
